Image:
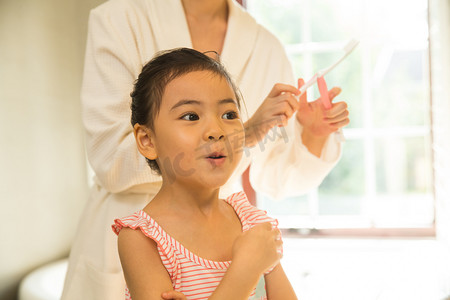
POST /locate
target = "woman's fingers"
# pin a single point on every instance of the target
(337, 109)
(303, 98)
(293, 102)
(281, 120)
(334, 92)
(279, 106)
(340, 124)
(279, 113)
(287, 105)
(282, 88)
(340, 117)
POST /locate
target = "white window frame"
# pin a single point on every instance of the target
(361, 225)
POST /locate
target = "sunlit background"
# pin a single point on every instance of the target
(384, 178)
(384, 184)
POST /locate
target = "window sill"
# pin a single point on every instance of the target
(413, 269)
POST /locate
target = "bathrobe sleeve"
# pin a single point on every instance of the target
(115, 52)
(281, 166)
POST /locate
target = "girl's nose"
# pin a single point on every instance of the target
(214, 138)
(214, 131)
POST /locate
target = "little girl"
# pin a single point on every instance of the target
(186, 120)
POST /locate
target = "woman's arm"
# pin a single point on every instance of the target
(278, 285)
(143, 269)
(282, 165)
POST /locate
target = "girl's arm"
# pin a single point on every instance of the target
(236, 284)
(143, 269)
(254, 252)
(278, 285)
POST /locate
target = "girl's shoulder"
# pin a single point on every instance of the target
(137, 220)
(248, 214)
(140, 220)
(132, 242)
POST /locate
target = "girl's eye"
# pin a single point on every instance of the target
(230, 115)
(190, 117)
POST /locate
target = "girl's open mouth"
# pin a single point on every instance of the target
(216, 159)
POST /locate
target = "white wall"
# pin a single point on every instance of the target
(42, 165)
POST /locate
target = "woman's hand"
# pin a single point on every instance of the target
(258, 249)
(318, 122)
(276, 110)
(173, 295)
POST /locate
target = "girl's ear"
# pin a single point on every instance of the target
(145, 141)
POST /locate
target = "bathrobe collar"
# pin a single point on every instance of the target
(169, 24)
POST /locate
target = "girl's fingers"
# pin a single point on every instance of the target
(173, 295)
(277, 234)
(279, 244)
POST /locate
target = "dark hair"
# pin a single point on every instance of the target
(158, 72)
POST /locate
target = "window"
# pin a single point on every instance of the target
(384, 178)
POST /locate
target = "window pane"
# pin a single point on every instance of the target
(343, 189)
(281, 17)
(285, 207)
(405, 210)
(403, 166)
(299, 64)
(399, 87)
(384, 176)
(335, 20)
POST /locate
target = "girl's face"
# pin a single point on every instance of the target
(198, 133)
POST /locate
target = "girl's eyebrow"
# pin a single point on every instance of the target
(187, 102)
(229, 100)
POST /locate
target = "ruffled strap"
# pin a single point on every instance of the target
(152, 230)
(250, 215)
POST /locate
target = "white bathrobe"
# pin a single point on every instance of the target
(123, 35)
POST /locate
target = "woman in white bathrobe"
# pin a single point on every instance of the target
(123, 35)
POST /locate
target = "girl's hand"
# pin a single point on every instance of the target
(316, 120)
(276, 110)
(173, 295)
(258, 249)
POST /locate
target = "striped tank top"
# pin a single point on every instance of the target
(194, 276)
